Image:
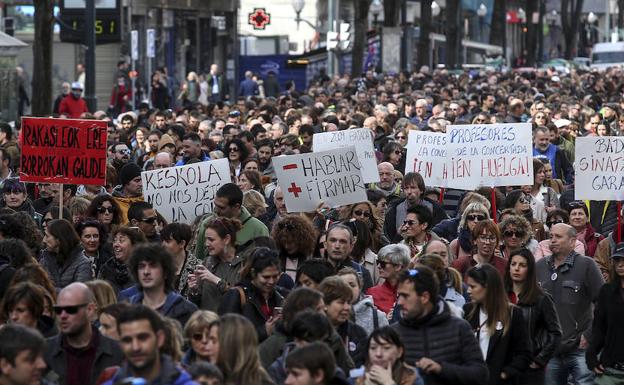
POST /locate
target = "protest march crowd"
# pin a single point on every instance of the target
(338, 235)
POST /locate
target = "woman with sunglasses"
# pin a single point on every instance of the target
(520, 202)
(516, 232)
(391, 261)
(605, 354)
(401, 137)
(367, 213)
(481, 118)
(474, 213)
(498, 325)
(553, 218)
(221, 269)
(256, 296)
(295, 238)
(236, 152)
(538, 310)
(486, 240)
(579, 219)
(197, 331)
(393, 153)
(62, 257)
(105, 209)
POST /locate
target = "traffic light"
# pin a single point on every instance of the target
(9, 26)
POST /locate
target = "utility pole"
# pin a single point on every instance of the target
(89, 95)
(331, 55)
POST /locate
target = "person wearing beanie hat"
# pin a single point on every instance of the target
(166, 143)
(129, 190)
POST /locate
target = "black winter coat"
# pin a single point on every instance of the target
(607, 330)
(510, 352)
(447, 340)
(544, 328)
(251, 308)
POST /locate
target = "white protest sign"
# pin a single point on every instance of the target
(333, 177)
(180, 194)
(361, 139)
(426, 155)
(489, 155)
(599, 168)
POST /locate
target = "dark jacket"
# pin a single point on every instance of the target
(116, 273)
(175, 306)
(6, 274)
(447, 229)
(251, 308)
(543, 328)
(169, 374)
(607, 331)
(396, 214)
(107, 354)
(509, 352)
(448, 341)
(354, 338)
(76, 268)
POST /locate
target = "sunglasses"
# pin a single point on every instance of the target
(383, 264)
(102, 210)
(285, 226)
(199, 336)
(124, 151)
(524, 200)
(517, 234)
(233, 149)
(409, 222)
(576, 204)
(552, 223)
(400, 137)
(73, 309)
(475, 217)
(367, 214)
(149, 220)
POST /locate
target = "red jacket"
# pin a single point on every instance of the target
(72, 107)
(464, 264)
(384, 296)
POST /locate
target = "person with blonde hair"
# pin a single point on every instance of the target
(255, 203)
(103, 292)
(197, 333)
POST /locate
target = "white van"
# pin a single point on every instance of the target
(606, 55)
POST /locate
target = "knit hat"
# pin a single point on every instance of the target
(165, 140)
(128, 172)
(619, 251)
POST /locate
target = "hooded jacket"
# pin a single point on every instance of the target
(175, 306)
(366, 315)
(448, 341)
(124, 202)
(169, 374)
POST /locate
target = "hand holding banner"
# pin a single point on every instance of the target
(600, 167)
(426, 155)
(333, 177)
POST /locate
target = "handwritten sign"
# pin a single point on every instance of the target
(181, 194)
(71, 151)
(426, 155)
(599, 168)
(489, 155)
(361, 139)
(333, 177)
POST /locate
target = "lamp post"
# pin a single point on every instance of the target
(375, 9)
(298, 6)
(482, 12)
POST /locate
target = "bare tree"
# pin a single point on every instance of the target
(42, 58)
(392, 10)
(424, 44)
(570, 22)
(359, 35)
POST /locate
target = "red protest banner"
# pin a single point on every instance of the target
(69, 151)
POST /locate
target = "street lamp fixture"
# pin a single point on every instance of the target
(435, 9)
(376, 8)
(298, 7)
(592, 18)
(521, 15)
(482, 10)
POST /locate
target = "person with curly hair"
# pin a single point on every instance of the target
(517, 233)
(295, 237)
(236, 152)
(106, 210)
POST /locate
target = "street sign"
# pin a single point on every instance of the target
(151, 43)
(345, 36)
(332, 40)
(134, 44)
(259, 18)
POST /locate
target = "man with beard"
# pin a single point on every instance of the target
(390, 189)
(79, 354)
(121, 156)
(141, 336)
(265, 153)
(543, 148)
(65, 89)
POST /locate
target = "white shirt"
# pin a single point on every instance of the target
(483, 333)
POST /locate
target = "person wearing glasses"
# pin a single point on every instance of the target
(143, 216)
(415, 229)
(391, 261)
(295, 238)
(553, 218)
(367, 213)
(79, 353)
(516, 232)
(236, 152)
(393, 153)
(197, 331)
(401, 137)
(520, 202)
(474, 213)
(105, 210)
(486, 240)
(498, 325)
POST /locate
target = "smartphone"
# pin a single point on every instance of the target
(278, 311)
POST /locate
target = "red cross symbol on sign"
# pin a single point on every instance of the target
(294, 189)
(259, 19)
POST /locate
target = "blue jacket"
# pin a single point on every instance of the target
(176, 306)
(183, 161)
(169, 374)
(248, 88)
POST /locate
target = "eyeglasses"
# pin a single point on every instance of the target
(517, 234)
(102, 210)
(233, 149)
(554, 222)
(524, 200)
(72, 309)
(409, 222)
(398, 152)
(149, 220)
(475, 217)
(124, 151)
(199, 336)
(359, 213)
(400, 137)
(285, 226)
(383, 264)
(487, 239)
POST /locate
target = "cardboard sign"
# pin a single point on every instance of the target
(599, 168)
(333, 177)
(71, 151)
(181, 194)
(489, 155)
(361, 139)
(426, 155)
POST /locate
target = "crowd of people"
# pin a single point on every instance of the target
(416, 285)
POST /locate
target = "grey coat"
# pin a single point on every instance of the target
(364, 313)
(76, 268)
